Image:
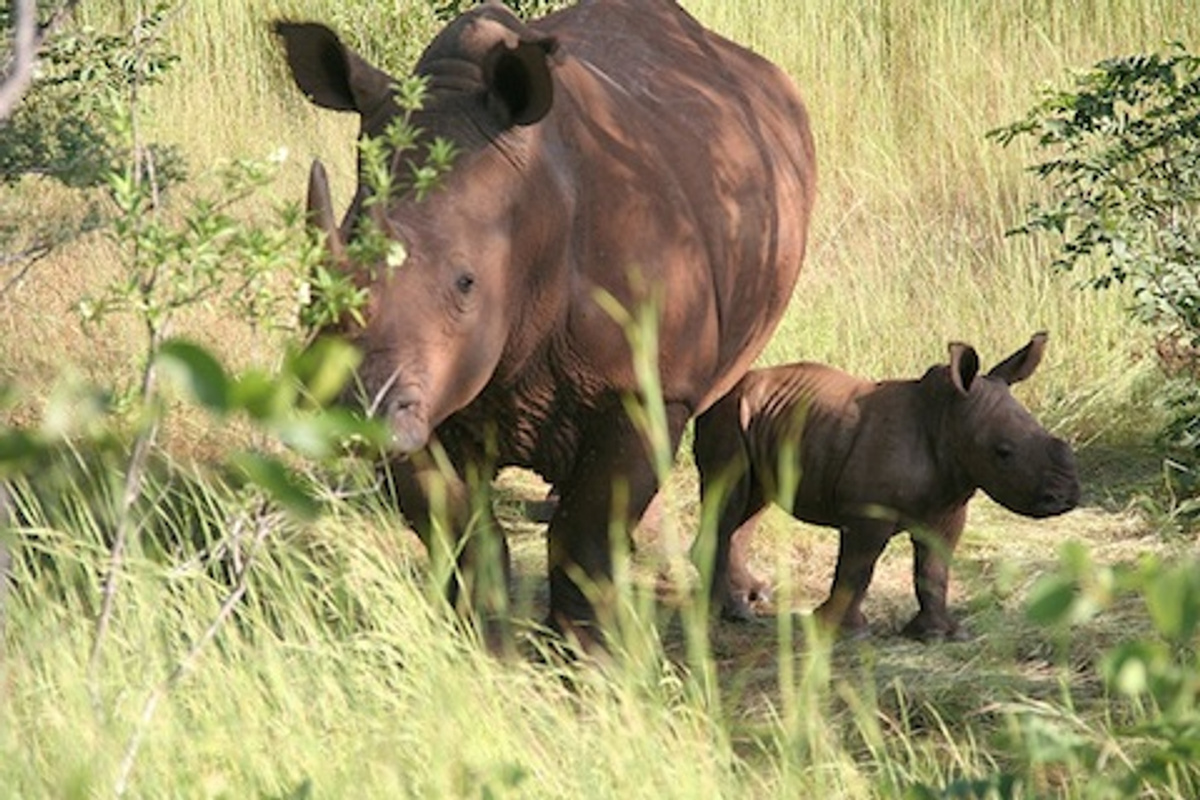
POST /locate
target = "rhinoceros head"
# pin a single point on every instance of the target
(441, 309)
(998, 444)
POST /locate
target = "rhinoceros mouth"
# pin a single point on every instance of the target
(1052, 501)
(409, 423)
(403, 409)
(401, 405)
(1052, 504)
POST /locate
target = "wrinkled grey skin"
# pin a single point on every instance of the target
(613, 148)
(874, 459)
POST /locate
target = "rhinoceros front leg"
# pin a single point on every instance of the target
(455, 520)
(859, 548)
(933, 549)
(612, 483)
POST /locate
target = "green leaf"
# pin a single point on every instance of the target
(198, 371)
(397, 254)
(324, 434)
(1130, 667)
(325, 368)
(74, 408)
(262, 396)
(1173, 600)
(279, 482)
(18, 447)
(1052, 600)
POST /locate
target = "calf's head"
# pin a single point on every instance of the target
(436, 327)
(995, 442)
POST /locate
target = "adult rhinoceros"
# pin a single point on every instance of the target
(613, 148)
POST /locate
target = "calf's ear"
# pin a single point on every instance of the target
(964, 366)
(329, 73)
(1021, 364)
(519, 84)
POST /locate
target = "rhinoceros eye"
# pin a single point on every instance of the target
(465, 283)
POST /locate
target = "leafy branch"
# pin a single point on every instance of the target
(1120, 157)
(1124, 171)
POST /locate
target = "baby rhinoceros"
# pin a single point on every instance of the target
(874, 459)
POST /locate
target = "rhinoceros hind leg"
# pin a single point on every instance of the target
(746, 588)
(737, 608)
(834, 616)
(727, 485)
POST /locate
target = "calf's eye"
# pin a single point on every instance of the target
(1004, 451)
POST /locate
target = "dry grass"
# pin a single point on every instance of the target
(907, 253)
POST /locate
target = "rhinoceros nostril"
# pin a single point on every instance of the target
(1059, 498)
(400, 404)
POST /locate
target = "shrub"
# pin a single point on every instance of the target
(1122, 162)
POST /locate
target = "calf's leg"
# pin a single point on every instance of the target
(859, 548)
(932, 551)
(745, 587)
(728, 493)
(732, 586)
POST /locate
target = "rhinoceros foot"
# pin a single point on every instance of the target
(749, 598)
(935, 628)
(737, 609)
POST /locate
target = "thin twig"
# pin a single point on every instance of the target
(43, 244)
(30, 256)
(35, 251)
(6, 523)
(127, 525)
(188, 661)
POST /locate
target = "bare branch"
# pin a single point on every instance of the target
(20, 74)
(263, 525)
(27, 258)
(6, 521)
(28, 38)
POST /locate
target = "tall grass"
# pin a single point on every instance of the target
(337, 673)
(341, 674)
(908, 248)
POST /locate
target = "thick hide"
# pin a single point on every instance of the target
(874, 459)
(613, 151)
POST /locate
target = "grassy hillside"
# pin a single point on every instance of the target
(339, 674)
(908, 248)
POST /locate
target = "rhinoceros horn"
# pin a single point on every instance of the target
(320, 210)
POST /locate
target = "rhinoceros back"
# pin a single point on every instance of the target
(722, 139)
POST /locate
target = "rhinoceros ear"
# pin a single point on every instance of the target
(1021, 364)
(519, 84)
(964, 366)
(332, 75)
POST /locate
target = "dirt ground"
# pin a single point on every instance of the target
(999, 561)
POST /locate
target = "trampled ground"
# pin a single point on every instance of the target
(999, 561)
